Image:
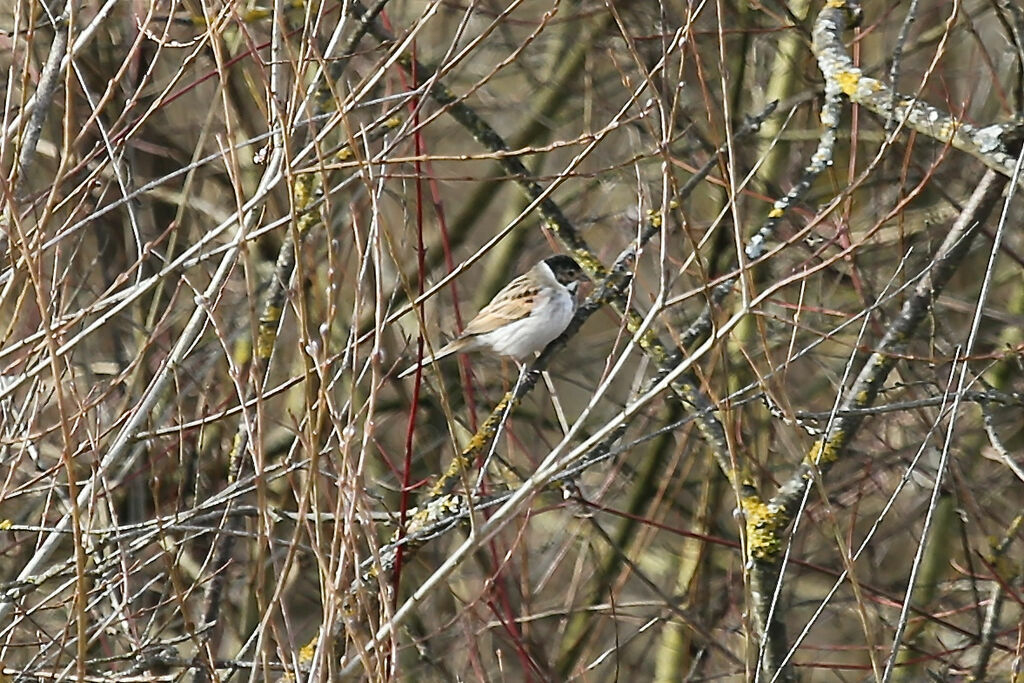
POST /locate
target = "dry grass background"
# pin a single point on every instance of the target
(186, 145)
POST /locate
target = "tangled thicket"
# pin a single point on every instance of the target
(781, 439)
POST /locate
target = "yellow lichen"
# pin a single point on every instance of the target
(307, 651)
(763, 523)
(848, 81)
(267, 332)
(825, 452)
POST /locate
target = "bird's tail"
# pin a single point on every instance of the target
(427, 360)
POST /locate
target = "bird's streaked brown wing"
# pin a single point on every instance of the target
(512, 303)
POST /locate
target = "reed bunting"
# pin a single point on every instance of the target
(522, 318)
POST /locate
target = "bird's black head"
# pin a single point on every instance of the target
(565, 269)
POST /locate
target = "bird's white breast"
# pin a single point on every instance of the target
(550, 316)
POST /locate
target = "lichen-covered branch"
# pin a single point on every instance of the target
(989, 144)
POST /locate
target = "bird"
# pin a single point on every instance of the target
(524, 317)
